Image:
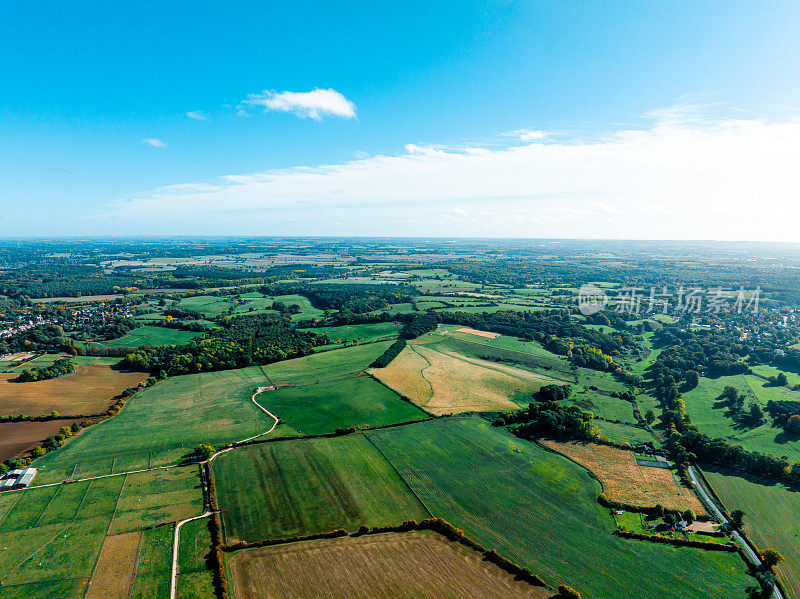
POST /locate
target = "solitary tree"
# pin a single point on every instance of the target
(737, 518)
(649, 417)
(565, 592)
(771, 558)
(205, 450)
(689, 516)
(781, 379)
(756, 412)
(793, 424)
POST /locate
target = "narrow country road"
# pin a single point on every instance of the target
(173, 592)
(263, 409)
(712, 508)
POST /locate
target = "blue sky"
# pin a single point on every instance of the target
(534, 119)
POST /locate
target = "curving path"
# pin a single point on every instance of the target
(174, 576)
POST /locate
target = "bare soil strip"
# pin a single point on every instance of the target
(116, 566)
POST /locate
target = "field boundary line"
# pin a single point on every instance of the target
(46, 543)
(49, 503)
(400, 476)
(10, 509)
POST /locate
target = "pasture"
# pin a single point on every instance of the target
(712, 417)
(286, 488)
(162, 425)
(624, 480)
(540, 510)
(52, 537)
(447, 383)
(88, 390)
(323, 407)
(153, 563)
(770, 519)
(156, 497)
(358, 333)
(212, 306)
(325, 366)
(422, 565)
(58, 535)
(151, 336)
(195, 579)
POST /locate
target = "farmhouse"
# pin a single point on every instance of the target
(17, 479)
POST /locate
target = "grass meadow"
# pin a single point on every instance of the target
(52, 536)
(711, 416)
(195, 579)
(358, 333)
(151, 336)
(540, 510)
(287, 488)
(770, 519)
(323, 407)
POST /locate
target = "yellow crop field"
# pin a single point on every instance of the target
(624, 480)
(423, 565)
(448, 383)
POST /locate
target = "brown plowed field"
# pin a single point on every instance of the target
(88, 390)
(18, 437)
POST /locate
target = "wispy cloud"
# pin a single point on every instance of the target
(197, 115)
(527, 134)
(314, 104)
(154, 141)
(704, 179)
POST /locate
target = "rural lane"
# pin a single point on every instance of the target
(713, 509)
(173, 590)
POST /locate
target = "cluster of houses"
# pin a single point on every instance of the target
(17, 479)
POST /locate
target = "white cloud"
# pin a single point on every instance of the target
(314, 104)
(155, 142)
(197, 115)
(527, 134)
(722, 179)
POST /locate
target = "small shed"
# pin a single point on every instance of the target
(25, 478)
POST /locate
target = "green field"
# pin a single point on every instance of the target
(51, 538)
(209, 407)
(212, 407)
(540, 510)
(154, 563)
(152, 336)
(196, 580)
(710, 415)
(156, 497)
(53, 535)
(358, 333)
(286, 488)
(622, 433)
(325, 366)
(324, 407)
(770, 520)
(212, 306)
